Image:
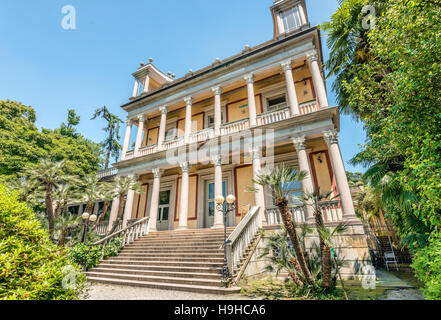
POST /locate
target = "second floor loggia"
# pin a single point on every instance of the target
(293, 89)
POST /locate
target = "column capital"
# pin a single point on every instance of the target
(157, 173)
(249, 78)
(188, 101)
(331, 137)
(216, 160)
(286, 65)
(163, 109)
(217, 90)
(255, 153)
(129, 122)
(312, 56)
(299, 143)
(185, 167)
(141, 118)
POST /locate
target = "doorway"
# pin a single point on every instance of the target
(210, 202)
(163, 210)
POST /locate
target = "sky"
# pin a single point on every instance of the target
(53, 69)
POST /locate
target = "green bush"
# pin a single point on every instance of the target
(427, 265)
(90, 256)
(86, 256)
(31, 266)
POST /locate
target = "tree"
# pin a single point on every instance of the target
(32, 267)
(107, 192)
(49, 175)
(279, 180)
(22, 145)
(111, 145)
(72, 121)
(396, 93)
(122, 187)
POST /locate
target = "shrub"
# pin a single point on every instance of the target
(427, 265)
(31, 266)
(90, 256)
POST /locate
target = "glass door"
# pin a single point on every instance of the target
(163, 210)
(210, 203)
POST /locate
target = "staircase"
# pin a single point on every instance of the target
(188, 260)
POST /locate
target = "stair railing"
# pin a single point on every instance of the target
(129, 234)
(241, 238)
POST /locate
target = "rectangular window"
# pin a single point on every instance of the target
(291, 19)
(276, 103)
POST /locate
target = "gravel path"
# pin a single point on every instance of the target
(113, 292)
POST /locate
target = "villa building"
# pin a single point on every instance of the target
(212, 131)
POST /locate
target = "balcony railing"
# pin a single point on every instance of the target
(107, 173)
(233, 127)
(308, 107)
(331, 212)
(281, 114)
(273, 116)
(202, 135)
(144, 151)
(167, 145)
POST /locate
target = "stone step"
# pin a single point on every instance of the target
(173, 246)
(193, 231)
(171, 250)
(149, 267)
(170, 258)
(170, 280)
(193, 255)
(178, 242)
(197, 264)
(167, 286)
(180, 274)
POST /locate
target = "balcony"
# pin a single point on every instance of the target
(281, 114)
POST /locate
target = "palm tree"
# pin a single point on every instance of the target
(111, 144)
(279, 180)
(107, 195)
(64, 224)
(62, 196)
(122, 185)
(49, 174)
(25, 186)
(91, 190)
(313, 200)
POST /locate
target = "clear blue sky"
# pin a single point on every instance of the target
(53, 69)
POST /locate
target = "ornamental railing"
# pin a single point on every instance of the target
(236, 126)
(144, 151)
(241, 238)
(271, 117)
(308, 107)
(107, 173)
(129, 234)
(167, 145)
(331, 212)
(202, 135)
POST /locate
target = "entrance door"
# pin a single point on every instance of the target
(210, 203)
(163, 210)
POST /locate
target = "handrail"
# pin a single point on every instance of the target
(131, 233)
(242, 236)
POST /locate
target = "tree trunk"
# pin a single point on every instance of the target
(63, 235)
(89, 207)
(109, 148)
(295, 263)
(325, 252)
(119, 216)
(282, 204)
(49, 210)
(105, 208)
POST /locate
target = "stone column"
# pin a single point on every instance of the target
(154, 202)
(113, 213)
(147, 82)
(189, 102)
(319, 83)
(217, 109)
(218, 190)
(307, 184)
(331, 138)
(251, 99)
(162, 126)
(138, 142)
(290, 88)
(125, 148)
(183, 207)
(135, 89)
(259, 196)
(129, 205)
